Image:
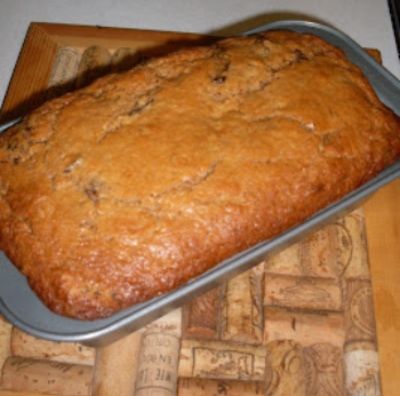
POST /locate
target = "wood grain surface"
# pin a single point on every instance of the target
(301, 323)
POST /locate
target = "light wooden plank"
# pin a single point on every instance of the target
(383, 235)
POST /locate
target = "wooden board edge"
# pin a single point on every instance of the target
(69, 33)
(382, 216)
(31, 73)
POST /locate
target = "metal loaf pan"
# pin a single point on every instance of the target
(22, 308)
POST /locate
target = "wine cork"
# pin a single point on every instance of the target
(95, 61)
(64, 69)
(324, 370)
(201, 317)
(26, 374)
(208, 387)
(294, 370)
(243, 307)
(285, 369)
(306, 328)
(303, 292)
(116, 366)
(5, 338)
(357, 265)
(362, 369)
(222, 360)
(359, 312)
(125, 58)
(286, 262)
(319, 253)
(159, 357)
(25, 345)
(316, 256)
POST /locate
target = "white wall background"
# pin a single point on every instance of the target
(367, 21)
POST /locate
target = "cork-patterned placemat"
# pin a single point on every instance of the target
(300, 323)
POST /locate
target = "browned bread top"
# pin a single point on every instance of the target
(127, 188)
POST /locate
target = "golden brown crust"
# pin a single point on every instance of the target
(128, 188)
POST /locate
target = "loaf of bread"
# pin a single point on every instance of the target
(129, 187)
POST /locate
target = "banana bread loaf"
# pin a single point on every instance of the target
(128, 188)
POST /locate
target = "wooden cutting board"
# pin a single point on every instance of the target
(302, 323)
